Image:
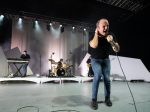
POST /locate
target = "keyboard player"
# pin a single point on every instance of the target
(24, 56)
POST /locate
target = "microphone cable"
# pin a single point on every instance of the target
(34, 107)
(127, 83)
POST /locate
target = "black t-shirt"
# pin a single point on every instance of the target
(26, 57)
(59, 65)
(103, 49)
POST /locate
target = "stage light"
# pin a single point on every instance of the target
(37, 26)
(20, 20)
(48, 26)
(36, 22)
(60, 25)
(19, 24)
(1, 19)
(73, 29)
(84, 29)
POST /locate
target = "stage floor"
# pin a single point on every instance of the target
(71, 97)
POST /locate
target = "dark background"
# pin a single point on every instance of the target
(130, 27)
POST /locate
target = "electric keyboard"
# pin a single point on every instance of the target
(17, 60)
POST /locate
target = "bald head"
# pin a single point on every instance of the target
(102, 26)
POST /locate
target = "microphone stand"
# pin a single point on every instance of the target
(51, 62)
(40, 64)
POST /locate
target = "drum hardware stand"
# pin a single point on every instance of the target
(51, 59)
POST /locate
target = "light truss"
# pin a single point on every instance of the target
(130, 5)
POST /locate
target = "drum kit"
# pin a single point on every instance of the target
(64, 71)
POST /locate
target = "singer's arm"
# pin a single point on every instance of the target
(94, 42)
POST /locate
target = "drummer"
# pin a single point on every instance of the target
(60, 68)
(60, 64)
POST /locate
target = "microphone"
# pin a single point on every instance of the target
(53, 53)
(110, 40)
(114, 45)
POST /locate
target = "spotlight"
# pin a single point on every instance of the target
(20, 24)
(36, 26)
(20, 19)
(48, 26)
(60, 26)
(1, 19)
(36, 22)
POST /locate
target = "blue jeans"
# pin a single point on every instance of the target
(101, 68)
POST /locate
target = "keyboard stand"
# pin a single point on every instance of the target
(17, 68)
(16, 62)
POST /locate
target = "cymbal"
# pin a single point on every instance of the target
(52, 61)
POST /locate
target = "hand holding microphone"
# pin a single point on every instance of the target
(114, 45)
(109, 38)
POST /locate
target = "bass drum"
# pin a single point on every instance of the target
(60, 72)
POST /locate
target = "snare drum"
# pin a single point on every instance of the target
(60, 72)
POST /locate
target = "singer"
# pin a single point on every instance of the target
(100, 46)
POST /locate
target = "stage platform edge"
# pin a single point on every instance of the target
(41, 80)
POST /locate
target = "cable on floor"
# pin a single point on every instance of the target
(28, 107)
(127, 83)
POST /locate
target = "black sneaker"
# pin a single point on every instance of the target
(108, 102)
(94, 105)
